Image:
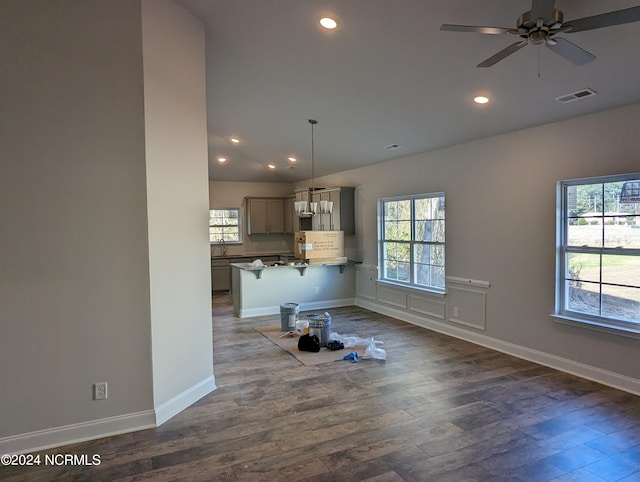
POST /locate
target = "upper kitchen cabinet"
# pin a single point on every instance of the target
(302, 194)
(301, 223)
(265, 215)
(336, 210)
(289, 215)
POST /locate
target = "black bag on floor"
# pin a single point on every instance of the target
(309, 343)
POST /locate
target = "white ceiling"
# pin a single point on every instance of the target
(388, 75)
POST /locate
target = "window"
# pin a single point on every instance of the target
(224, 226)
(598, 259)
(411, 241)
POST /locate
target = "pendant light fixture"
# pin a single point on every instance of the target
(301, 206)
(314, 206)
(313, 122)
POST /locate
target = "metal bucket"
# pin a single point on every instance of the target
(320, 325)
(288, 316)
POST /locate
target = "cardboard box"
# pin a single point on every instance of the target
(334, 260)
(319, 244)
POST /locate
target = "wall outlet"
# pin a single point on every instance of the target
(100, 391)
(317, 291)
(456, 312)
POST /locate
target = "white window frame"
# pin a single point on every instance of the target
(562, 311)
(412, 243)
(219, 240)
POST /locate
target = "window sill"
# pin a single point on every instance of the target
(627, 331)
(430, 291)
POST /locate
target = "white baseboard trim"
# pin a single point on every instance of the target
(309, 306)
(589, 372)
(177, 404)
(105, 427)
(77, 432)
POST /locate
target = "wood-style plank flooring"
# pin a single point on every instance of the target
(438, 409)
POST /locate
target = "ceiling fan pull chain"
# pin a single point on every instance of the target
(539, 50)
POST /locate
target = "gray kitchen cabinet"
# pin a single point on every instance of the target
(342, 215)
(289, 215)
(321, 221)
(302, 223)
(265, 215)
(220, 275)
(302, 194)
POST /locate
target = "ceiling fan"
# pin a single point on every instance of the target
(542, 23)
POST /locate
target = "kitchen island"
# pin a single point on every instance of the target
(221, 266)
(259, 291)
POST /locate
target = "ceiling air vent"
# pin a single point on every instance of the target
(392, 147)
(581, 94)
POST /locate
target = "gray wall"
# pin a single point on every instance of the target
(76, 281)
(178, 196)
(501, 219)
(75, 269)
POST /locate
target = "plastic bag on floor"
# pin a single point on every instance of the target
(350, 341)
(374, 352)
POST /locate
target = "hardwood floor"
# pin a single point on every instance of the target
(439, 409)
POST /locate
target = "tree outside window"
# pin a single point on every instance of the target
(224, 226)
(599, 251)
(412, 234)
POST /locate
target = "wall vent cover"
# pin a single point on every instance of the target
(392, 147)
(581, 94)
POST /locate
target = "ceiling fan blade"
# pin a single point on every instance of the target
(511, 49)
(542, 9)
(570, 51)
(478, 29)
(609, 19)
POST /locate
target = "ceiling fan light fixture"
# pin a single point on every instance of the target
(538, 37)
(544, 21)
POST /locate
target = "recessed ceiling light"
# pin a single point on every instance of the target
(328, 23)
(235, 140)
(292, 159)
(271, 166)
(481, 99)
(222, 160)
